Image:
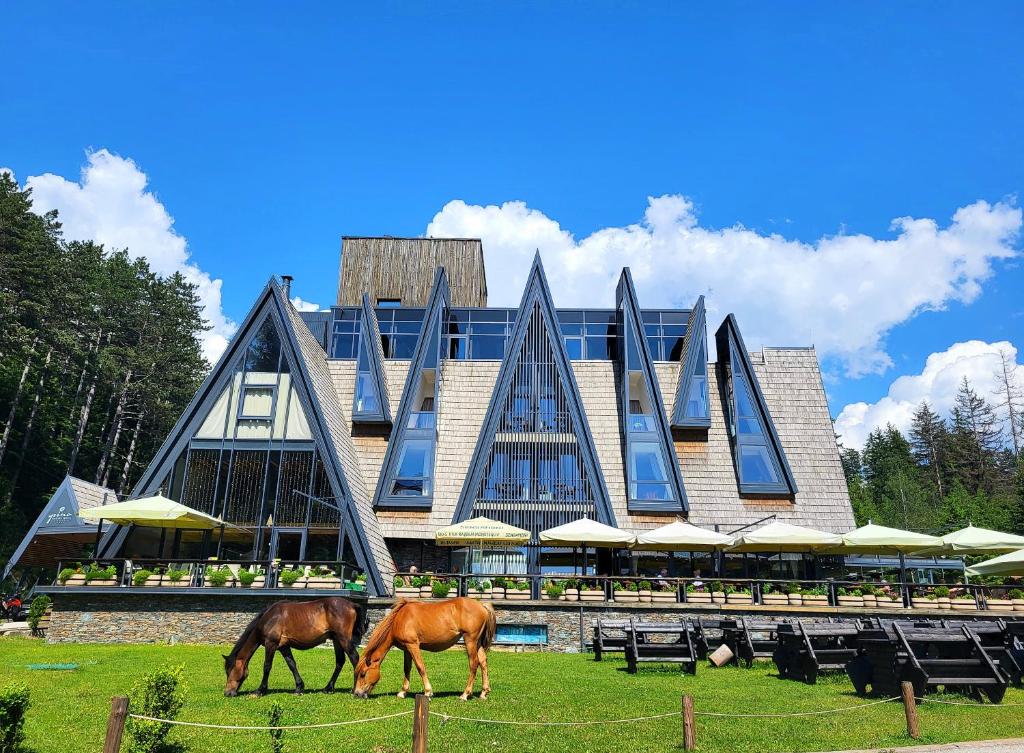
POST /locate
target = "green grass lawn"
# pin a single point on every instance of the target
(69, 708)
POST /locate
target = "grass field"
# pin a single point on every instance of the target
(69, 708)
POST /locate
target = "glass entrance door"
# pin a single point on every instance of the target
(288, 544)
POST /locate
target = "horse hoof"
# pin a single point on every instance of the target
(401, 694)
(329, 689)
(428, 693)
(483, 695)
(464, 697)
(298, 691)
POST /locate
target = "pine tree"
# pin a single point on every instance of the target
(929, 439)
(1010, 397)
(976, 439)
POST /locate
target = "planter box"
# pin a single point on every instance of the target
(815, 600)
(545, 597)
(1018, 605)
(474, 594)
(300, 583)
(627, 597)
(102, 583)
(739, 599)
(183, 583)
(700, 597)
(718, 597)
(323, 582)
(795, 600)
(645, 596)
(663, 597)
(407, 592)
(599, 596)
(572, 594)
(425, 592)
(1000, 605)
(923, 603)
(870, 601)
(517, 595)
(154, 580)
(776, 600)
(851, 601)
(79, 580)
(963, 605)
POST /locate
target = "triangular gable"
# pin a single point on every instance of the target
(649, 429)
(413, 429)
(692, 410)
(59, 518)
(535, 431)
(370, 403)
(317, 402)
(759, 460)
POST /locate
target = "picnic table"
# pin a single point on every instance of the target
(646, 642)
(805, 650)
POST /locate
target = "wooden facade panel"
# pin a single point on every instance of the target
(403, 268)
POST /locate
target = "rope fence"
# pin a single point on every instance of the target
(421, 716)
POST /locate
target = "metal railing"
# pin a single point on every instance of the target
(736, 591)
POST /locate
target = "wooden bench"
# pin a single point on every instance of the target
(995, 636)
(609, 636)
(645, 643)
(751, 640)
(805, 650)
(929, 658)
(710, 634)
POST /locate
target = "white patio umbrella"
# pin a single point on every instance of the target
(974, 540)
(155, 512)
(784, 537)
(876, 539)
(1007, 564)
(587, 532)
(682, 537)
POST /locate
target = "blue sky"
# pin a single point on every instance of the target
(266, 131)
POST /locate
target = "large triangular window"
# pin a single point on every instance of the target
(653, 480)
(407, 474)
(692, 410)
(535, 465)
(760, 462)
(370, 401)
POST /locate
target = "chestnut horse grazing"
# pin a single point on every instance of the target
(296, 624)
(433, 626)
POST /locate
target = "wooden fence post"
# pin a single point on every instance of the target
(910, 707)
(420, 726)
(689, 728)
(115, 724)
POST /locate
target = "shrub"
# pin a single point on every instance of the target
(942, 592)
(1015, 593)
(717, 587)
(398, 582)
(37, 609)
(246, 578)
(616, 586)
(500, 582)
(361, 578)
(439, 589)
(290, 577)
(14, 702)
(553, 590)
(484, 585)
(274, 720)
(645, 585)
(816, 591)
(220, 576)
(95, 572)
(65, 575)
(140, 577)
(964, 596)
(174, 575)
(419, 581)
(522, 585)
(161, 694)
(570, 583)
(856, 592)
(842, 592)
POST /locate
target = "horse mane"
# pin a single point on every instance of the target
(247, 633)
(383, 628)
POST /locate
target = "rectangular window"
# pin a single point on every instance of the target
(648, 475)
(257, 402)
(757, 466)
(389, 303)
(366, 394)
(697, 403)
(413, 476)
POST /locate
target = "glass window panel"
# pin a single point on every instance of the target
(570, 316)
(264, 349)
(389, 303)
(756, 465)
(572, 328)
(654, 345)
(347, 313)
(601, 348)
(600, 328)
(674, 330)
(488, 328)
(646, 462)
(672, 349)
(750, 426)
(697, 404)
(702, 360)
(409, 315)
(744, 405)
(488, 315)
(457, 348)
(402, 346)
(408, 328)
(487, 347)
(366, 394)
(574, 346)
(457, 322)
(650, 491)
(257, 402)
(652, 330)
(675, 317)
(364, 358)
(387, 345)
(651, 316)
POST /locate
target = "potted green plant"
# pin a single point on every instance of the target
(663, 593)
(248, 577)
(738, 595)
(219, 577)
(323, 577)
(483, 588)
(590, 590)
(405, 589)
(815, 597)
(1000, 603)
(698, 595)
(519, 591)
(440, 588)
(941, 594)
(552, 591)
(868, 596)
(627, 592)
(794, 594)
(644, 590)
(175, 577)
(717, 592)
(100, 576)
(425, 586)
(291, 578)
(141, 577)
(773, 596)
(849, 597)
(498, 588)
(572, 589)
(1016, 596)
(963, 600)
(924, 599)
(71, 576)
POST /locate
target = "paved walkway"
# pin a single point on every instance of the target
(1013, 745)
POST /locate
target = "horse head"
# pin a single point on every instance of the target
(236, 670)
(367, 674)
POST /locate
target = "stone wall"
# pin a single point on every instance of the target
(134, 617)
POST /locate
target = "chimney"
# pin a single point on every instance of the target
(286, 280)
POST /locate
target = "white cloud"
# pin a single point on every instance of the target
(841, 293)
(110, 205)
(301, 305)
(937, 383)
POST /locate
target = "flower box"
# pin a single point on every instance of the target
(1018, 605)
(700, 597)
(1000, 605)
(943, 602)
(545, 597)
(963, 605)
(663, 597)
(815, 600)
(796, 600)
(774, 600)
(572, 594)
(155, 580)
(181, 583)
(517, 595)
(300, 583)
(869, 600)
(627, 597)
(475, 594)
(425, 592)
(921, 603)
(718, 597)
(738, 598)
(645, 596)
(323, 582)
(407, 592)
(851, 601)
(497, 593)
(78, 579)
(597, 594)
(98, 582)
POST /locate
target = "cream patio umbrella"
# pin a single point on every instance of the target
(682, 537)
(1007, 564)
(876, 539)
(974, 540)
(586, 533)
(784, 537)
(155, 512)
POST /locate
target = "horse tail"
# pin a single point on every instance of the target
(488, 629)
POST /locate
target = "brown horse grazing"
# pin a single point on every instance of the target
(433, 626)
(296, 624)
